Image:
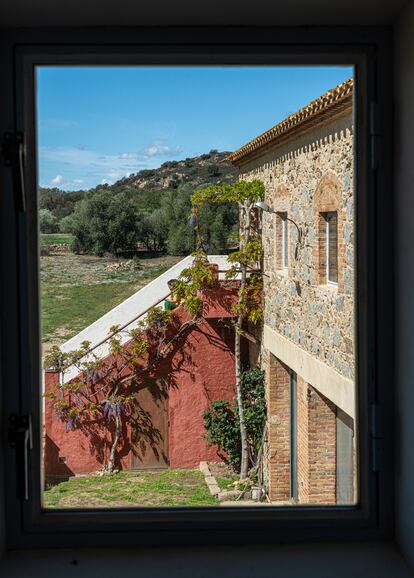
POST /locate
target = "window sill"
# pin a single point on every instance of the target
(332, 287)
(380, 559)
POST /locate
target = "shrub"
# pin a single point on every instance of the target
(153, 230)
(105, 223)
(48, 222)
(66, 224)
(180, 240)
(213, 170)
(174, 181)
(221, 420)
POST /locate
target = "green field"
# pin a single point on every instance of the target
(56, 239)
(126, 489)
(78, 289)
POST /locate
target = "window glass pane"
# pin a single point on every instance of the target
(194, 353)
(285, 242)
(332, 246)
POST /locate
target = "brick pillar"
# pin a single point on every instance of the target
(303, 441)
(322, 449)
(278, 403)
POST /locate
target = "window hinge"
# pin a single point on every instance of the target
(20, 438)
(375, 132)
(13, 155)
(376, 436)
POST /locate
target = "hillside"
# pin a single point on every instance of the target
(210, 168)
(150, 209)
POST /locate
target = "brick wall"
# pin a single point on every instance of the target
(278, 404)
(303, 441)
(321, 449)
(316, 439)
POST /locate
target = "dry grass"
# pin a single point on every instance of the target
(78, 289)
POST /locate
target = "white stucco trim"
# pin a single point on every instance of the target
(340, 390)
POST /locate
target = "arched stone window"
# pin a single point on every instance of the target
(329, 248)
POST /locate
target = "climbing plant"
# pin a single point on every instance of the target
(245, 265)
(105, 390)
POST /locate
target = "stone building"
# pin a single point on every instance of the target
(306, 164)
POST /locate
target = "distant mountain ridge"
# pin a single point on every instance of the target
(211, 168)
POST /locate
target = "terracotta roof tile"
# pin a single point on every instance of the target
(331, 102)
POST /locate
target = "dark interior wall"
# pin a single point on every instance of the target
(372, 559)
(2, 526)
(189, 13)
(404, 279)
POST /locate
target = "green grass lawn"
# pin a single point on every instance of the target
(126, 489)
(68, 310)
(76, 290)
(56, 238)
(226, 483)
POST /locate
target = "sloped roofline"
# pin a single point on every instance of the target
(332, 103)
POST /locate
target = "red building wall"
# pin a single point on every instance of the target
(199, 369)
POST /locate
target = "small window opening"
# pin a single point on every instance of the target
(331, 229)
(282, 241)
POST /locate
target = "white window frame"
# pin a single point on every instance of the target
(30, 527)
(328, 252)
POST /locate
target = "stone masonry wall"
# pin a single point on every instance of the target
(310, 175)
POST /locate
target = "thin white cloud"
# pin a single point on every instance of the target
(58, 180)
(95, 167)
(158, 149)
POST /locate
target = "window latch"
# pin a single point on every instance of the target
(13, 155)
(20, 438)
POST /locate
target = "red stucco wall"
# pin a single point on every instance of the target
(199, 369)
(205, 371)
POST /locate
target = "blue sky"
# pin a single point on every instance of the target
(96, 125)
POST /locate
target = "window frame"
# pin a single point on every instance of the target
(285, 241)
(370, 51)
(328, 248)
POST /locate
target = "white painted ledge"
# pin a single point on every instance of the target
(339, 389)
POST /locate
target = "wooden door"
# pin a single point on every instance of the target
(150, 427)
